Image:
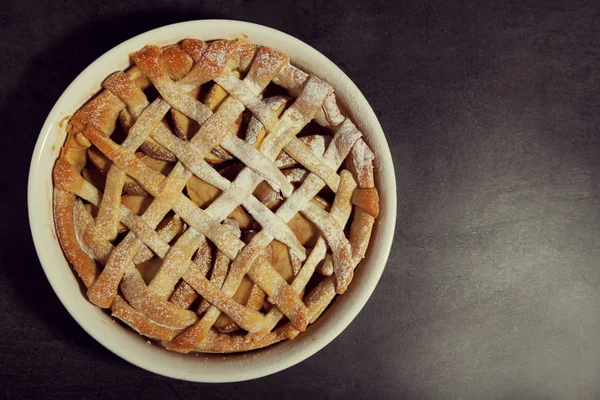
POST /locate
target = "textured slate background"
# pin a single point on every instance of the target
(492, 289)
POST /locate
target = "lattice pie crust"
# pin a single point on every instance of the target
(211, 219)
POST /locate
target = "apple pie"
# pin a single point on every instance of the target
(213, 196)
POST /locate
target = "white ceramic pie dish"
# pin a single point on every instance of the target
(125, 342)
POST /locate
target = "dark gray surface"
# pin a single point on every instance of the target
(492, 115)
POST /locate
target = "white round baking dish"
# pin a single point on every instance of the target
(125, 342)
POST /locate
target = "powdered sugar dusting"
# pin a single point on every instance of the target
(362, 159)
(296, 175)
(316, 100)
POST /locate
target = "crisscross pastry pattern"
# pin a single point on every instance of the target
(195, 201)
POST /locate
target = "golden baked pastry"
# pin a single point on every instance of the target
(213, 196)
